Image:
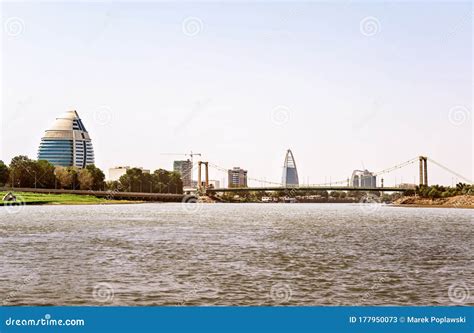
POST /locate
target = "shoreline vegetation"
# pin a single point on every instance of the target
(41, 183)
(31, 198)
(459, 201)
(23, 172)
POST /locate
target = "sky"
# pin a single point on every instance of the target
(344, 85)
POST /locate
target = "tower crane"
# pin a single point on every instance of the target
(191, 154)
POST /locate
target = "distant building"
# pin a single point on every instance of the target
(117, 172)
(237, 177)
(363, 178)
(215, 183)
(67, 143)
(185, 169)
(407, 186)
(290, 173)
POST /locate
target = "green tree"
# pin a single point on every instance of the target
(98, 177)
(132, 180)
(160, 181)
(85, 179)
(4, 173)
(434, 193)
(44, 172)
(67, 178)
(114, 185)
(358, 195)
(167, 181)
(25, 172)
(63, 177)
(147, 183)
(176, 184)
(22, 172)
(323, 194)
(409, 193)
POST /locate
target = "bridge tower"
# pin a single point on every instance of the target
(423, 170)
(206, 175)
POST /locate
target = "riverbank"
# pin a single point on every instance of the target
(29, 198)
(459, 201)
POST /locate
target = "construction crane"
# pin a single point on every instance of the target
(190, 155)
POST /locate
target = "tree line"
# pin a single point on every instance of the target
(160, 181)
(27, 173)
(439, 191)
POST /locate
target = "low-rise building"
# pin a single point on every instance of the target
(118, 171)
(407, 186)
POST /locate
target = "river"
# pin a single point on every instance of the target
(235, 254)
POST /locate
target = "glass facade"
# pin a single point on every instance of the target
(185, 169)
(290, 173)
(363, 178)
(57, 152)
(67, 143)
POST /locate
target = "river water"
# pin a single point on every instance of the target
(236, 254)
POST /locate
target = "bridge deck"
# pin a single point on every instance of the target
(305, 188)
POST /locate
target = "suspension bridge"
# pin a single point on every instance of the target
(204, 187)
(340, 185)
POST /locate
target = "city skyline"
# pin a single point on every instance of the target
(304, 76)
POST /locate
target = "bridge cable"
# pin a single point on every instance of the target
(384, 171)
(449, 170)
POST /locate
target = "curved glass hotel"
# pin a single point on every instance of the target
(290, 173)
(67, 142)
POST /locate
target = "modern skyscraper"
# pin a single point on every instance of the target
(67, 142)
(185, 169)
(237, 177)
(290, 173)
(363, 178)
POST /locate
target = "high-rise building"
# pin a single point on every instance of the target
(363, 178)
(185, 169)
(290, 173)
(237, 177)
(67, 143)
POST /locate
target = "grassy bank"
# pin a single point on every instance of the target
(29, 198)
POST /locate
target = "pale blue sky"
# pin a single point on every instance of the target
(343, 99)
